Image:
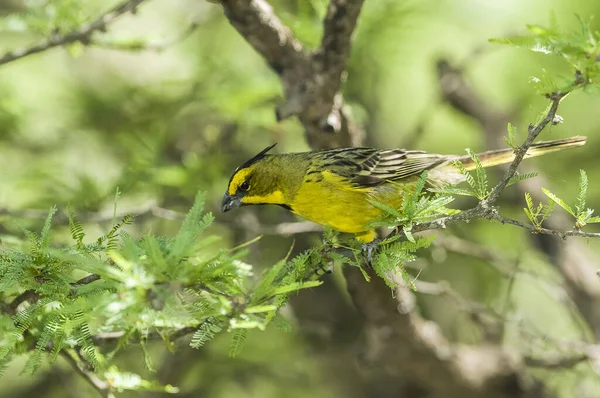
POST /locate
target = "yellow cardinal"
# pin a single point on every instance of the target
(334, 187)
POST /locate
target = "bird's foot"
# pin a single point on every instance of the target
(369, 249)
(326, 266)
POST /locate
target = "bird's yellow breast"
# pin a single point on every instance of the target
(330, 200)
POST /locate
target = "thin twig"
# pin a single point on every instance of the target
(491, 322)
(113, 337)
(150, 208)
(485, 208)
(99, 385)
(156, 46)
(556, 361)
(82, 34)
(537, 230)
(32, 296)
(534, 131)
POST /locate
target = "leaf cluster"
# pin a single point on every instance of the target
(418, 205)
(578, 210)
(580, 49)
(75, 298)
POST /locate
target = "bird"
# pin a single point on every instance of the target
(337, 187)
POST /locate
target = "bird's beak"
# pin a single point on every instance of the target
(230, 202)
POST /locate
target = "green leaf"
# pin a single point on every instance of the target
(468, 177)
(481, 186)
(44, 240)
(559, 201)
(529, 210)
(260, 308)
(237, 342)
(193, 225)
(205, 332)
(547, 210)
(75, 227)
(581, 192)
(450, 190)
(409, 206)
(407, 232)
(521, 177)
(292, 287)
(512, 132)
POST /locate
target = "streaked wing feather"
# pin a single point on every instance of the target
(368, 167)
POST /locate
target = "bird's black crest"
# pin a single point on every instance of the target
(256, 158)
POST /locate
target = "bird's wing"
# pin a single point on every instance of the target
(368, 167)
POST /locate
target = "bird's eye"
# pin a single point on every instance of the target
(244, 186)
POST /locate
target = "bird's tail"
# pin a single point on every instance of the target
(502, 156)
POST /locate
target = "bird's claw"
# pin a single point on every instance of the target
(369, 248)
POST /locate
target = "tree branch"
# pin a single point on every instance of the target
(151, 208)
(533, 132)
(99, 385)
(556, 361)
(400, 340)
(258, 24)
(32, 296)
(311, 81)
(573, 259)
(81, 34)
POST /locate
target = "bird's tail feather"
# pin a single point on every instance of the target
(502, 156)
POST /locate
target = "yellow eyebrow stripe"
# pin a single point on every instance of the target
(237, 179)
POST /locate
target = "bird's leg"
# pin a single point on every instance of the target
(325, 266)
(369, 248)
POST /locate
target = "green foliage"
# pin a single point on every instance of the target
(67, 299)
(418, 205)
(582, 215)
(478, 184)
(390, 261)
(537, 215)
(521, 177)
(580, 49)
(512, 132)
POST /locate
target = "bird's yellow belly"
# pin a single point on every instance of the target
(342, 213)
(342, 207)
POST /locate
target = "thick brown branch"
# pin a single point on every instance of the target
(329, 63)
(258, 24)
(311, 82)
(404, 343)
(81, 34)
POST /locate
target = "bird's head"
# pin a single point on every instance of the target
(255, 182)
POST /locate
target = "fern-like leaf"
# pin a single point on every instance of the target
(521, 177)
(581, 192)
(559, 202)
(237, 342)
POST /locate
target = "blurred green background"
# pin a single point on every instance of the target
(78, 122)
